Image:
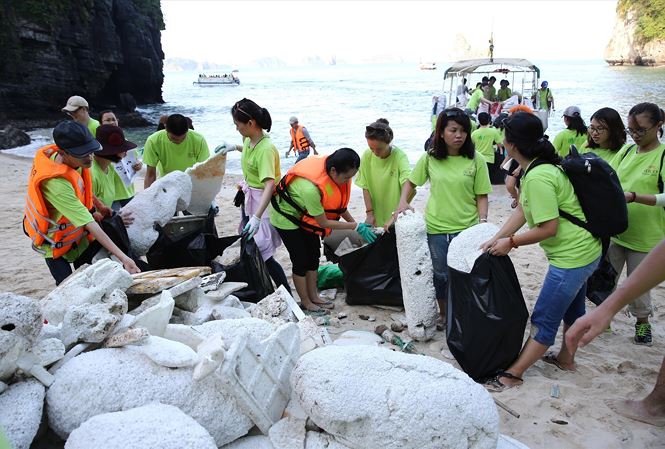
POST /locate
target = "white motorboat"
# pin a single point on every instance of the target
(218, 79)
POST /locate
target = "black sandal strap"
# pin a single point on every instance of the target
(508, 375)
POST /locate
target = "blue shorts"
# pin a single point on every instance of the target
(561, 298)
(438, 249)
(302, 155)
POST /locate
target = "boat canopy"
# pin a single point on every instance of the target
(498, 65)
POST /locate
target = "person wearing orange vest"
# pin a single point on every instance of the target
(59, 204)
(308, 203)
(301, 142)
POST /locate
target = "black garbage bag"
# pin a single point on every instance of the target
(602, 282)
(250, 269)
(371, 273)
(486, 316)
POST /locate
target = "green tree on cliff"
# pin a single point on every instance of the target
(650, 17)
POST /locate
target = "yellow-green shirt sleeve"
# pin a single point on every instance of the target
(404, 168)
(150, 156)
(419, 175)
(60, 194)
(481, 183)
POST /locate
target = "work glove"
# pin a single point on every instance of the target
(224, 148)
(251, 227)
(365, 232)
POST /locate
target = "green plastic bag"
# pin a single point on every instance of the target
(330, 276)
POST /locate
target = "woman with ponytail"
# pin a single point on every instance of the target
(261, 169)
(640, 170)
(573, 253)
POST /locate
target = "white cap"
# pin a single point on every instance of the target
(293, 120)
(74, 103)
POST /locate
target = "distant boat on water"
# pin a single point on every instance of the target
(218, 79)
(427, 66)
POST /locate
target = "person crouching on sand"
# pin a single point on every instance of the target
(573, 253)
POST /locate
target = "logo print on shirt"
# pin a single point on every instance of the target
(651, 170)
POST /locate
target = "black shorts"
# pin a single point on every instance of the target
(304, 249)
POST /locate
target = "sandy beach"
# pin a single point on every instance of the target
(611, 367)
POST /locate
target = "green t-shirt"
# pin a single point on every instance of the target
(454, 184)
(159, 149)
(545, 190)
(544, 95)
(260, 163)
(61, 199)
(484, 139)
(103, 184)
(605, 154)
(92, 126)
(565, 139)
(306, 195)
(491, 93)
(122, 191)
(474, 101)
(638, 172)
(383, 178)
(504, 93)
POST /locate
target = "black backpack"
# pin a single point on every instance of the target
(598, 190)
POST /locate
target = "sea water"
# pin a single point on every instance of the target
(335, 103)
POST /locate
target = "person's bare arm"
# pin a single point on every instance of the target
(107, 243)
(482, 204)
(150, 176)
(648, 274)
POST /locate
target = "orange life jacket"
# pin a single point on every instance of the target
(334, 198)
(36, 222)
(300, 142)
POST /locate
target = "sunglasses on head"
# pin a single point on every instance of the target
(454, 113)
(238, 108)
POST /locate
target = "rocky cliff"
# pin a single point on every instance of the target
(639, 34)
(108, 51)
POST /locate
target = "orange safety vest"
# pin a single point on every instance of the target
(334, 198)
(298, 139)
(36, 222)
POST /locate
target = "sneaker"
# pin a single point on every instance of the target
(643, 334)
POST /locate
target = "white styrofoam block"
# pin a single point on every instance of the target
(463, 250)
(87, 323)
(232, 329)
(212, 281)
(49, 350)
(228, 313)
(156, 205)
(155, 318)
(417, 278)
(167, 353)
(358, 338)
(21, 322)
(115, 379)
(92, 285)
(274, 309)
(224, 290)
(153, 426)
(251, 442)
(257, 373)
(443, 407)
(21, 408)
(183, 334)
(505, 442)
(22, 315)
(206, 178)
(211, 353)
(184, 287)
(288, 433)
(316, 440)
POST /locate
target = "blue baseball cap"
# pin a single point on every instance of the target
(75, 139)
(543, 84)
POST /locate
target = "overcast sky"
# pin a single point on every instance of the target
(239, 32)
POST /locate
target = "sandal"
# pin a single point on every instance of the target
(494, 385)
(550, 358)
(513, 205)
